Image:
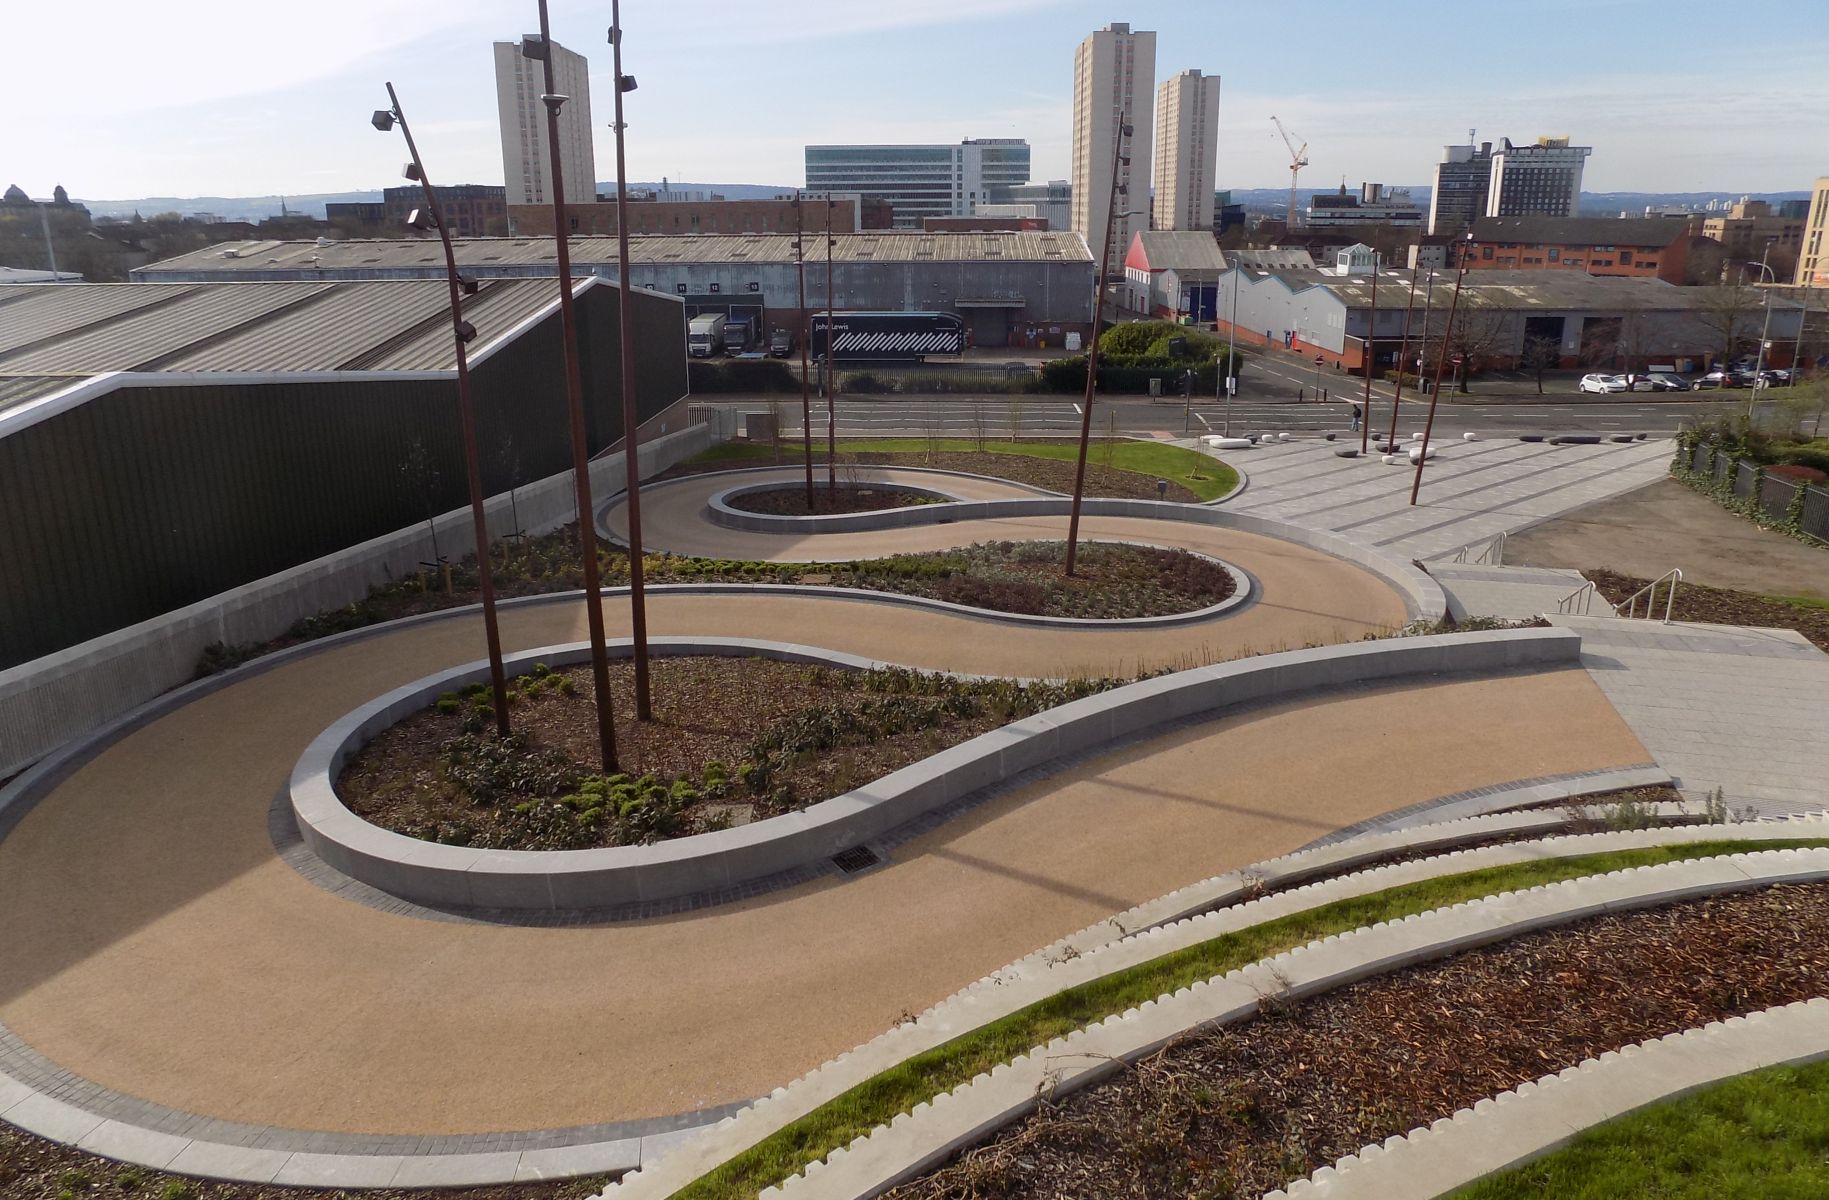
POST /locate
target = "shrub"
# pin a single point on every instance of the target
(448, 704)
(1815, 457)
(567, 687)
(224, 656)
(740, 375)
(177, 1189)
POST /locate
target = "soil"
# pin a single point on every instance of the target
(792, 501)
(1238, 1111)
(1648, 531)
(1056, 475)
(1721, 606)
(706, 711)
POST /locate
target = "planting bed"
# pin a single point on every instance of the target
(732, 740)
(1725, 606)
(792, 501)
(1241, 1110)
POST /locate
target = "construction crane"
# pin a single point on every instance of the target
(1297, 160)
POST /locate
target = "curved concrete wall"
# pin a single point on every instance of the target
(451, 875)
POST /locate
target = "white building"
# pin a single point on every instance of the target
(1187, 142)
(1052, 200)
(1543, 180)
(1374, 205)
(945, 180)
(1114, 74)
(519, 84)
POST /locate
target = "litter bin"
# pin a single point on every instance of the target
(1155, 385)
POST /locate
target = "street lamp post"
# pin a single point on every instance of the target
(1403, 355)
(1092, 350)
(574, 393)
(631, 429)
(1441, 362)
(1371, 336)
(831, 368)
(1765, 331)
(1230, 383)
(461, 333)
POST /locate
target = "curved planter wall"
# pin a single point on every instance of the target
(723, 512)
(1423, 597)
(437, 875)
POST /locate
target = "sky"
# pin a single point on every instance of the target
(226, 97)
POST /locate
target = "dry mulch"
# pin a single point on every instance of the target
(706, 710)
(1722, 606)
(792, 501)
(1238, 1111)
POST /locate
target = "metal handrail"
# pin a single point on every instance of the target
(1493, 555)
(1584, 594)
(1673, 576)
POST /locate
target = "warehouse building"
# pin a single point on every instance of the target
(1010, 288)
(1507, 318)
(164, 443)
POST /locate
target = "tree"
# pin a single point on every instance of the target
(1479, 335)
(1540, 354)
(1731, 316)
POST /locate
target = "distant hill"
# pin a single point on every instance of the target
(256, 208)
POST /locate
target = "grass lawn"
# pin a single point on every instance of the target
(1201, 474)
(1765, 1134)
(945, 1067)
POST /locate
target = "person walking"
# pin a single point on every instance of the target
(1358, 415)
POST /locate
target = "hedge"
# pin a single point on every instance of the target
(1129, 375)
(740, 375)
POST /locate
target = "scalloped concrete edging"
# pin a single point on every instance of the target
(1066, 964)
(1531, 1120)
(915, 1141)
(437, 875)
(721, 512)
(1423, 597)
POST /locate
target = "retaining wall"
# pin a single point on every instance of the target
(452, 875)
(46, 702)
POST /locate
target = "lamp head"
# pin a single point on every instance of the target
(383, 120)
(466, 332)
(420, 219)
(628, 83)
(411, 171)
(533, 46)
(469, 286)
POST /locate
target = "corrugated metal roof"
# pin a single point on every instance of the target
(1181, 250)
(591, 252)
(86, 329)
(16, 391)
(1554, 291)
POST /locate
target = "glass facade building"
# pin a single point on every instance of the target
(921, 181)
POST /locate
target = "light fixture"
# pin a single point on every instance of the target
(628, 83)
(411, 171)
(470, 286)
(533, 46)
(382, 120)
(466, 332)
(420, 219)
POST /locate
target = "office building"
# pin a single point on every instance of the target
(1114, 74)
(519, 83)
(1813, 258)
(921, 181)
(1051, 201)
(1373, 204)
(1750, 231)
(1542, 180)
(1187, 141)
(1461, 181)
(1653, 247)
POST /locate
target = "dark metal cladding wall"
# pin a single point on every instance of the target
(148, 499)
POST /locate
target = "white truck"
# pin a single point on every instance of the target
(705, 335)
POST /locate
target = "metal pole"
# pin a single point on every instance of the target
(1797, 346)
(1765, 331)
(1403, 357)
(631, 429)
(1092, 350)
(574, 392)
(1441, 361)
(806, 402)
(1365, 409)
(831, 369)
(462, 332)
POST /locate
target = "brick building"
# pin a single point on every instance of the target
(688, 217)
(1649, 248)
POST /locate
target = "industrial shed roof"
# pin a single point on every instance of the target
(1551, 291)
(1181, 250)
(76, 330)
(590, 252)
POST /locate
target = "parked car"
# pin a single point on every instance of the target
(1660, 383)
(1602, 383)
(1776, 376)
(1718, 378)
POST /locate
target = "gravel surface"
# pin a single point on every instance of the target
(1238, 1111)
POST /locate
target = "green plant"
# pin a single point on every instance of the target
(448, 703)
(177, 1189)
(129, 1179)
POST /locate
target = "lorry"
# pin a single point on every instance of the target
(705, 335)
(739, 333)
(888, 336)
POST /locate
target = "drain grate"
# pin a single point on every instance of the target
(857, 858)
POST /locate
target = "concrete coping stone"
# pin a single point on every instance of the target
(1043, 974)
(1533, 1119)
(1423, 597)
(893, 1153)
(445, 876)
(721, 511)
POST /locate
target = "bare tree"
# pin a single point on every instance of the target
(1730, 314)
(1540, 354)
(1016, 416)
(1478, 336)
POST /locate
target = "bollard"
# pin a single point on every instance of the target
(1162, 489)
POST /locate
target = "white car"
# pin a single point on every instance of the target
(1602, 383)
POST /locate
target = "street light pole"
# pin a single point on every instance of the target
(1371, 334)
(1092, 350)
(631, 428)
(831, 368)
(1231, 380)
(806, 403)
(1441, 362)
(461, 333)
(1403, 355)
(574, 393)
(1765, 331)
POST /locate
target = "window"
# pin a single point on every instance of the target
(1625, 258)
(1486, 253)
(1555, 254)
